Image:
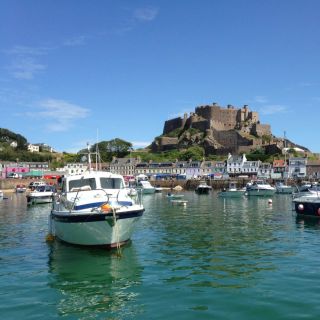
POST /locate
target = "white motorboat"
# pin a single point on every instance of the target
(42, 194)
(20, 188)
(203, 188)
(158, 189)
(174, 195)
(94, 209)
(146, 187)
(283, 188)
(232, 191)
(260, 188)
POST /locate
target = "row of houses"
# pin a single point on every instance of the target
(234, 166)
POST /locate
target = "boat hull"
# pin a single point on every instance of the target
(261, 192)
(203, 190)
(307, 208)
(39, 200)
(284, 190)
(148, 191)
(232, 194)
(98, 229)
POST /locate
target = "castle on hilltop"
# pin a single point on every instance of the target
(219, 130)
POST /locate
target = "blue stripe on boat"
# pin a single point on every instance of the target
(98, 204)
(93, 217)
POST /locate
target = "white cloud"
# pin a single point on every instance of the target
(76, 41)
(145, 14)
(273, 109)
(58, 115)
(306, 84)
(28, 51)
(25, 68)
(260, 99)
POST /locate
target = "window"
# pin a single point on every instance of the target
(111, 183)
(74, 184)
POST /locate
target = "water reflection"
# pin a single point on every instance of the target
(215, 242)
(94, 281)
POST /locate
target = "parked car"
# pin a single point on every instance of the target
(13, 175)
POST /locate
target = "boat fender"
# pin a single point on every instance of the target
(106, 208)
(300, 207)
(318, 212)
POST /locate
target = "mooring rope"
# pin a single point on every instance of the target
(116, 231)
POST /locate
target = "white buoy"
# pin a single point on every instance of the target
(270, 201)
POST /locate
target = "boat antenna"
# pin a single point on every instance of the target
(285, 154)
(98, 158)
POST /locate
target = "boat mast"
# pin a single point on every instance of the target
(285, 154)
(89, 157)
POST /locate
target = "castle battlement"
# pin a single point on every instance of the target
(218, 118)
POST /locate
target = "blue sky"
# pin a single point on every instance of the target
(74, 70)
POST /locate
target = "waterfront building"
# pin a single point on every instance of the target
(313, 169)
(193, 170)
(264, 170)
(251, 168)
(124, 166)
(235, 164)
(73, 168)
(239, 165)
(297, 168)
(279, 171)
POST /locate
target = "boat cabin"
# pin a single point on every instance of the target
(92, 182)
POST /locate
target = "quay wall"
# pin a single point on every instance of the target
(192, 184)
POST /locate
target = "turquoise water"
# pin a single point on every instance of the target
(213, 259)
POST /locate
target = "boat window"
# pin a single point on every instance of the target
(75, 185)
(111, 183)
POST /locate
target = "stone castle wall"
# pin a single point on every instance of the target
(173, 124)
(217, 118)
(261, 129)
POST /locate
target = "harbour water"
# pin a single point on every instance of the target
(213, 259)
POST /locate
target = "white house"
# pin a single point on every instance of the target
(33, 148)
(297, 167)
(265, 170)
(235, 164)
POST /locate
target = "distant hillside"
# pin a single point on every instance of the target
(7, 136)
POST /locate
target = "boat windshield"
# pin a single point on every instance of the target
(111, 183)
(82, 184)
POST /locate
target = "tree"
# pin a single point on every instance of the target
(194, 153)
(113, 148)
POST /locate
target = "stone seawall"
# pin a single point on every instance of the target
(9, 184)
(192, 184)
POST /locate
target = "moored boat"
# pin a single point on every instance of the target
(307, 206)
(146, 187)
(20, 188)
(94, 209)
(42, 194)
(260, 188)
(203, 188)
(232, 191)
(174, 195)
(283, 188)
